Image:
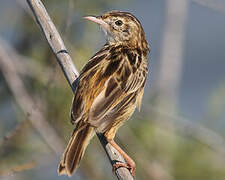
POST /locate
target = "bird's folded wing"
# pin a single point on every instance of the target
(103, 85)
(115, 93)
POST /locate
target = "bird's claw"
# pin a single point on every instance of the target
(125, 165)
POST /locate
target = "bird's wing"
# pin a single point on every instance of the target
(105, 81)
(87, 88)
(126, 80)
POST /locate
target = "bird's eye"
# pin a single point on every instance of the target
(119, 23)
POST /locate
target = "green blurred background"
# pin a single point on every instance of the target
(179, 133)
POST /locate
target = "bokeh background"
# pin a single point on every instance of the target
(179, 133)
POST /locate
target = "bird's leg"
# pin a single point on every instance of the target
(130, 162)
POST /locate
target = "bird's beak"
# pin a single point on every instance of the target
(98, 20)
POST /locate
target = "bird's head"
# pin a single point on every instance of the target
(121, 28)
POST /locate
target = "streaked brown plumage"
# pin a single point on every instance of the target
(110, 87)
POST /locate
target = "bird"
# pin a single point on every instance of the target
(109, 88)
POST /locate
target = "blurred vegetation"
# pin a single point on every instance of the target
(21, 145)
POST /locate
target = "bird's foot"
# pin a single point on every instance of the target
(130, 167)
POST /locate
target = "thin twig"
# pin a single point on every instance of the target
(187, 128)
(217, 5)
(18, 168)
(27, 103)
(70, 72)
(25, 66)
(19, 127)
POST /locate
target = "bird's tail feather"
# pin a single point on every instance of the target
(75, 149)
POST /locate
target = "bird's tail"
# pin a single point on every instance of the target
(75, 149)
